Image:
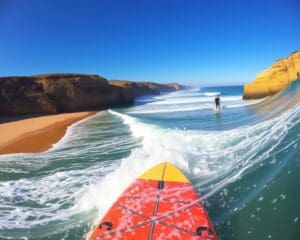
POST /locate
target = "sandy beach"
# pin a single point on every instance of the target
(36, 134)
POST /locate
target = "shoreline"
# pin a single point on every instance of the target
(37, 134)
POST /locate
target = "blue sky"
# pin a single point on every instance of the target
(200, 42)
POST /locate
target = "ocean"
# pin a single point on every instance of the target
(244, 162)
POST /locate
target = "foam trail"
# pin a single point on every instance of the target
(188, 108)
(217, 157)
(193, 100)
(211, 94)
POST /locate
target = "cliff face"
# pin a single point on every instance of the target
(23, 95)
(147, 88)
(55, 93)
(76, 92)
(275, 78)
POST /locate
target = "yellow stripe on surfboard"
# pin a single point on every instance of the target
(165, 170)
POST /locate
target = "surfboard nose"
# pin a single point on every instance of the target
(164, 171)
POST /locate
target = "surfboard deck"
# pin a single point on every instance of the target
(216, 110)
(160, 204)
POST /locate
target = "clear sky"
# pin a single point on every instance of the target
(200, 42)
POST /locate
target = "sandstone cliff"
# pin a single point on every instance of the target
(275, 78)
(56, 93)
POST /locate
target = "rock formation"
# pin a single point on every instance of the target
(56, 93)
(275, 78)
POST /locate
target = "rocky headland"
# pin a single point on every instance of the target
(275, 78)
(59, 93)
(147, 88)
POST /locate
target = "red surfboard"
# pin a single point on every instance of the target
(161, 204)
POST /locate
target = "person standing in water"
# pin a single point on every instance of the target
(217, 102)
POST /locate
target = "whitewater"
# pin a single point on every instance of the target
(244, 162)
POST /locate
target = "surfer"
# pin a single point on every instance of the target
(217, 102)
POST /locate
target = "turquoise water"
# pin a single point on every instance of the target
(244, 162)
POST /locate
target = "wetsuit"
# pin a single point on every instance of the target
(217, 102)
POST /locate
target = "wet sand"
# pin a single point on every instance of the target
(36, 134)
